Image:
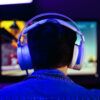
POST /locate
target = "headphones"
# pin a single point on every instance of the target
(23, 53)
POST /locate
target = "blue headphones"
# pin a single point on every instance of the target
(23, 53)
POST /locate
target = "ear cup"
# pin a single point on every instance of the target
(24, 57)
(77, 58)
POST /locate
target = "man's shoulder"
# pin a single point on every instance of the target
(15, 89)
(12, 87)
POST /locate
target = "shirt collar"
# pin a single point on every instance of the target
(51, 73)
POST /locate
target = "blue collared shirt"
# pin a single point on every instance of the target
(47, 85)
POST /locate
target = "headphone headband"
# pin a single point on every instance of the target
(52, 15)
(55, 16)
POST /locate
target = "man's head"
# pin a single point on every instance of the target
(51, 45)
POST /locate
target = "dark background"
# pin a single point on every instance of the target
(76, 9)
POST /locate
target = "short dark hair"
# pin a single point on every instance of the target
(51, 45)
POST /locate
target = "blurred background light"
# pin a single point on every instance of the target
(7, 2)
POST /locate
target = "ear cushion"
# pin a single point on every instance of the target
(80, 56)
(74, 57)
(24, 57)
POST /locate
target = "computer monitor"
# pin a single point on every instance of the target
(9, 30)
(89, 66)
(10, 66)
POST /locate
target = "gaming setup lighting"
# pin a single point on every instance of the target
(9, 2)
